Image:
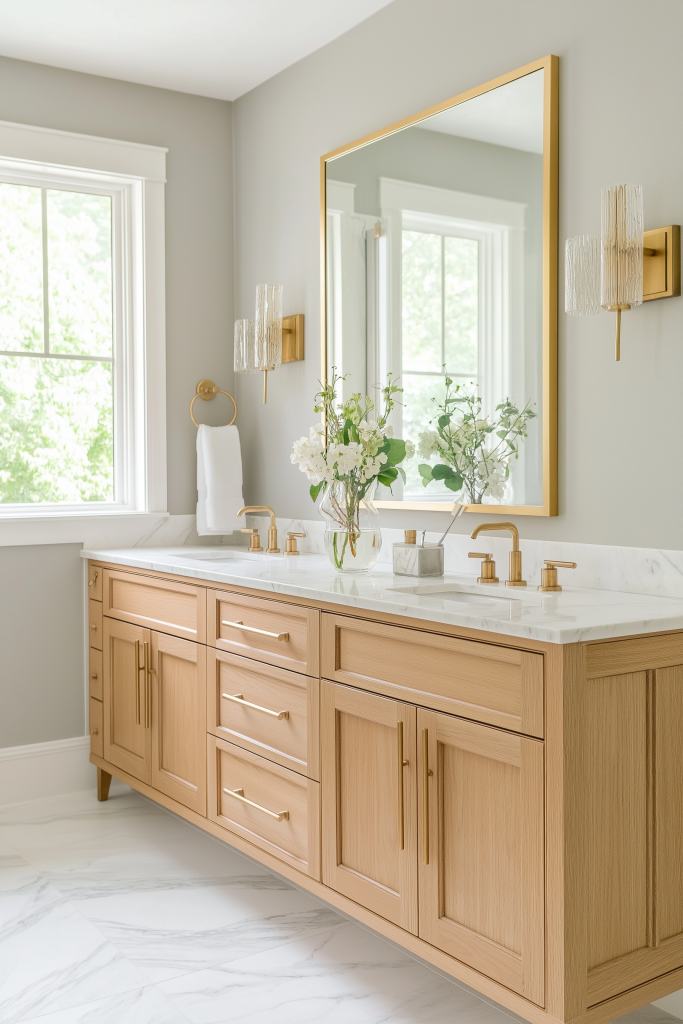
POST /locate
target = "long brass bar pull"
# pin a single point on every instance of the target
(401, 765)
(239, 699)
(239, 795)
(253, 629)
(426, 772)
(149, 671)
(138, 669)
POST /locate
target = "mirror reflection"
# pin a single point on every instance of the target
(434, 247)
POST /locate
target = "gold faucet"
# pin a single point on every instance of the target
(515, 555)
(273, 549)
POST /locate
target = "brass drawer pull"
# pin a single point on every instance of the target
(253, 629)
(426, 772)
(239, 699)
(93, 581)
(239, 795)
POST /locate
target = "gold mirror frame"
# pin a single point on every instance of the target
(550, 65)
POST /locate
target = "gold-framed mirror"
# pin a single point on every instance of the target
(439, 266)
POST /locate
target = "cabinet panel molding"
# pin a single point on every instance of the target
(95, 673)
(481, 843)
(178, 706)
(175, 608)
(367, 854)
(291, 740)
(95, 726)
(95, 624)
(296, 838)
(127, 733)
(497, 685)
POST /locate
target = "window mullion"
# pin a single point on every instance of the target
(443, 301)
(46, 301)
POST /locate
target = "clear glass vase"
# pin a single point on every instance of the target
(352, 535)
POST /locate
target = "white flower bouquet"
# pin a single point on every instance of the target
(475, 452)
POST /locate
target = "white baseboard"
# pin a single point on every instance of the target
(45, 769)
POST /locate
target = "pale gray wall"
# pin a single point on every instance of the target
(620, 424)
(41, 671)
(41, 644)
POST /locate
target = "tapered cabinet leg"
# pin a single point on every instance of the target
(103, 784)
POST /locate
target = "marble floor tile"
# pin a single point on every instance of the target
(342, 975)
(51, 957)
(173, 931)
(139, 1006)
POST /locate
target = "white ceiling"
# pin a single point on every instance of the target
(511, 115)
(219, 48)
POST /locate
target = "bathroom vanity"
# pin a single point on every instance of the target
(494, 780)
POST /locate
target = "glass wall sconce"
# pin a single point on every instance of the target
(270, 339)
(625, 266)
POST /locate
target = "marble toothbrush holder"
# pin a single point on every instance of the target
(411, 559)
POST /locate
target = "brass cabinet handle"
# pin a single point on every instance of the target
(239, 699)
(401, 765)
(147, 665)
(93, 731)
(253, 629)
(239, 795)
(426, 772)
(93, 627)
(138, 669)
(93, 581)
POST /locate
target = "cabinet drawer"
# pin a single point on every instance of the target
(95, 582)
(284, 724)
(95, 624)
(175, 608)
(500, 686)
(286, 819)
(95, 673)
(95, 725)
(256, 625)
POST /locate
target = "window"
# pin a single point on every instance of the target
(57, 353)
(82, 346)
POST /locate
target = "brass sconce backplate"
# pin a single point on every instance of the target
(293, 338)
(662, 269)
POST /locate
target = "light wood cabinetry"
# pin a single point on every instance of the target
(494, 684)
(480, 793)
(267, 710)
(273, 807)
(509, 810)
(369, 801)
(280, 634)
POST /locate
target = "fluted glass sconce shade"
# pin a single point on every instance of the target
(582, 275)
(245, 347)
(268, 330)
(622, 247)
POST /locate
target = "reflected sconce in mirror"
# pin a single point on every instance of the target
(625, 266)
(269, 339)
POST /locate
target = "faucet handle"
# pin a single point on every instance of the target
(549, 574)
(290, 543)
(254, 540)
(488, 567)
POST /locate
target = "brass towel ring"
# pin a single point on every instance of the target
(207, 390)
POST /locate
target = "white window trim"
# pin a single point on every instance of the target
(137, 174)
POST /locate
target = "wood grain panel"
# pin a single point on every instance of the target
(179, 720)
(481, 874)
(95, 624)
(616, 718)
(95, 673)
(621, 657)
(497, 685)
(298, 652)
(95, 726)
(294, 840)
(361, 787)
(668, 771)
(174, 608)
(127, 741)
(292, 741)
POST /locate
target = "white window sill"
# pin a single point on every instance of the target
(108, 527)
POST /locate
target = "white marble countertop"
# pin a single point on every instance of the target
(573, 615)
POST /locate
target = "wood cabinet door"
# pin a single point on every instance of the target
(481, 839)
(368, 782)
(127, 725)
(178, 713)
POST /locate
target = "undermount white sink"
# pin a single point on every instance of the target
(452, 592)
(211, 555)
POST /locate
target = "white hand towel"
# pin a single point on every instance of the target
(219, 480)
